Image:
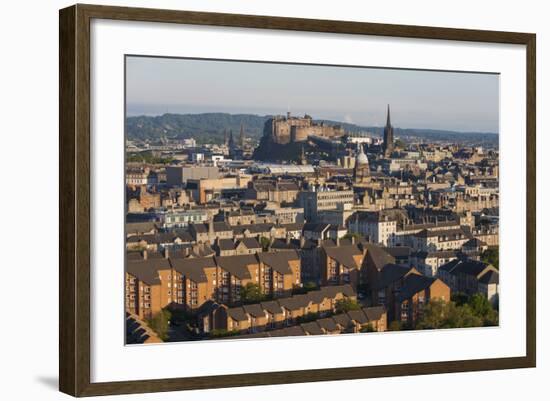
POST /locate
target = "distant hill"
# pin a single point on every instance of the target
(205, 128)
(209, 128)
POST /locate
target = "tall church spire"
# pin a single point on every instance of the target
(387, 146)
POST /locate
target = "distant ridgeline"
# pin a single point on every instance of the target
(210, 127)
(206, 127)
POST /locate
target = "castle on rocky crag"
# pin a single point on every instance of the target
(288, 129)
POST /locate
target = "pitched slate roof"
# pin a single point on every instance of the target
(344, 255)
(293, 331)
(252, 228)
(254, 310)
(219, 226)
(282, 244)
(279, 261)
(293, 226)
(469, 267)
(342, 319)
(413, 284)
(490, 277)
(193, 268)
(391, 273)
(358, 316)
(139, 228)
(236, 265)
(378, 256)
(449, 266)
(147, 270)
(374, 312)
(250, 243)
(237, 314)
(327, 323)
(312, 328)
(295, 302)
(316, 227)
(399, 251)
(272, 307)
(226, 244)
(331, 290)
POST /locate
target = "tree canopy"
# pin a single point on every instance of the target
(345, 305)
(477, 312)
(252, 293)
(160, 323)
(490, 256)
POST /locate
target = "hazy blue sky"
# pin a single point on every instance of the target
(418, 99)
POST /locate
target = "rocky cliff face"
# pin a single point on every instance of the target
(270, 150)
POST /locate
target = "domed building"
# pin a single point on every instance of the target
(361, 171)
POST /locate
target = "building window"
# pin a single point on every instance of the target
(404, 311)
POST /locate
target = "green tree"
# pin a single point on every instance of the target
(400, 143)
(459, 298)
(395, 326)
(160, 323)
(264, 242)
(349, 236)
(369, 328)
(223, 333)
(433, 315)
(310, 286)
(491, 256)
(482, 308)
(461, 316)
(345, 305)
(438, 314)
(251, 293)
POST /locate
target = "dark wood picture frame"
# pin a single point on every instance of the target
(74, 199)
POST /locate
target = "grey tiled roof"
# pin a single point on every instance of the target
(237, 314)
(413, 284)
(193, 268)
(278, 261)
(312, 328)
(374, 312)
(344, 255)
(147, 270)
(236, 265)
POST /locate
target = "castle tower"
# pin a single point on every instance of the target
(361, 170)
(387, 146)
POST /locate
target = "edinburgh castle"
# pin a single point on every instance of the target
(288, 129)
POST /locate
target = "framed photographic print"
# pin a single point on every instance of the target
(250, 200)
